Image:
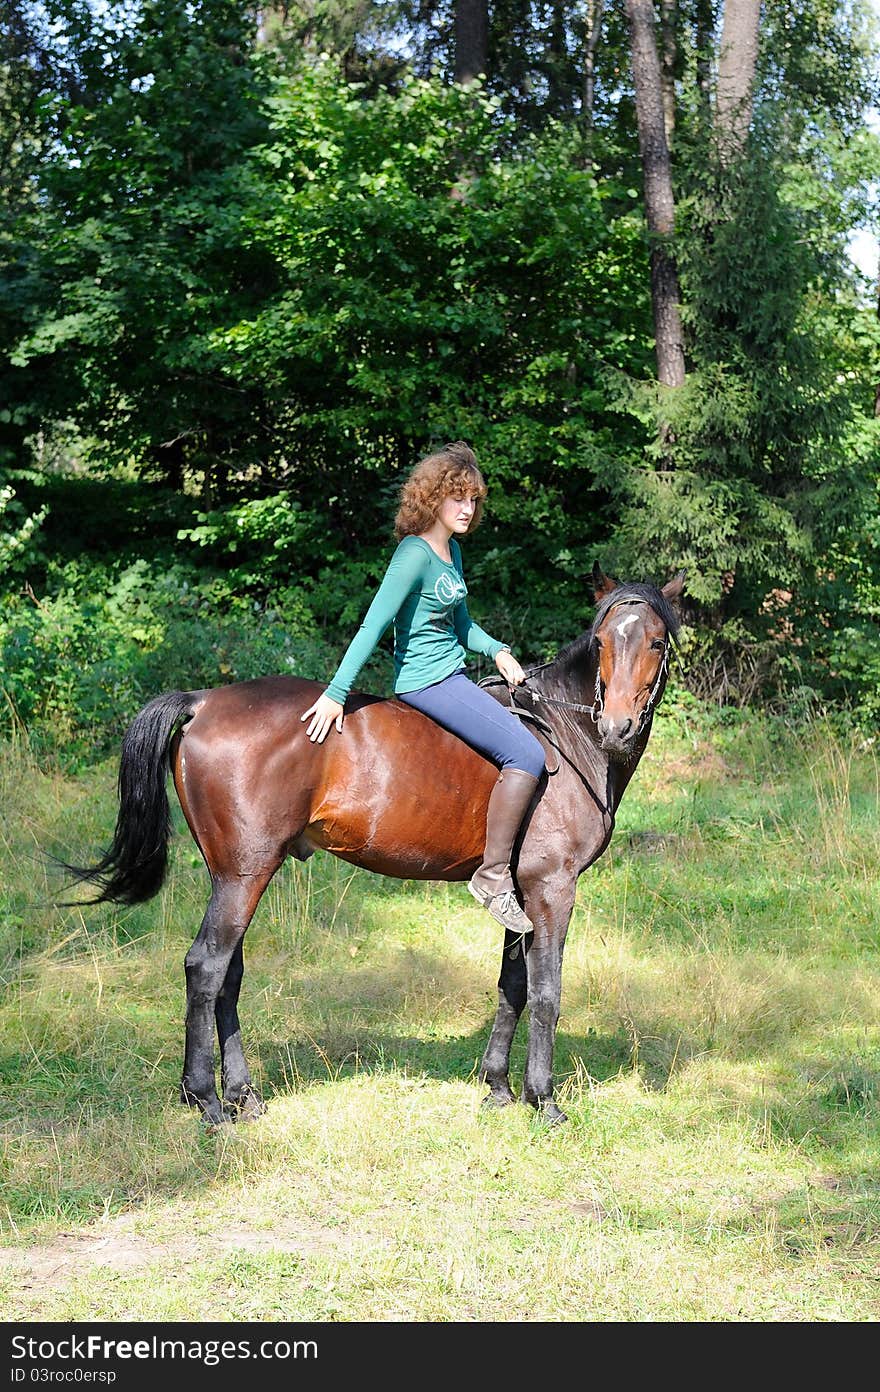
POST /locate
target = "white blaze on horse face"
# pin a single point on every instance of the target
(624, 623)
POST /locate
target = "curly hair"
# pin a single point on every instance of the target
(451, 472)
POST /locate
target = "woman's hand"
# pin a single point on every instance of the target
(509, 668)
(325, 711)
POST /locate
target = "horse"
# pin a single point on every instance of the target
(255, 790)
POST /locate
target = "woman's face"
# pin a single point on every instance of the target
(456, 513)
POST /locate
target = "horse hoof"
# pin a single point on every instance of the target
(253, 1107)
(492, 1100)
(213, 1118)
(547, 1110)
(247, 1107)
(551, 1114)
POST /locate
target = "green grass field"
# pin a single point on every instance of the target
(718, 1056)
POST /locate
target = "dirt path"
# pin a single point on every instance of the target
(114, 1245)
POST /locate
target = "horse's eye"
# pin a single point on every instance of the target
(658, 644)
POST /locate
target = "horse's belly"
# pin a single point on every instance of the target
(393, 848)
(410, 866)
(404, 826)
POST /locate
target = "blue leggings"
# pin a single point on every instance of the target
(461, 706)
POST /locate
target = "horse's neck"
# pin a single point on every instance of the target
(572, 675)
(574, 681)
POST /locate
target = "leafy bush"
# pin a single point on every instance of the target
(18, 531)
(78, 663)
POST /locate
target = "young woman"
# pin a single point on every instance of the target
(423, 593)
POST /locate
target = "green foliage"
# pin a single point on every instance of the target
(839, 653)
(78, 662)
(761, 478)
(428, 290)
(113, 277)
(18, 531)
(753, 471)
(239, 274)
(262, 538)
(818, 60)
(352, 282)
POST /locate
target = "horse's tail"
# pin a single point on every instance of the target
(133, 869)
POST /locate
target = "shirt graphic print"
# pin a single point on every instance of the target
(449, 590)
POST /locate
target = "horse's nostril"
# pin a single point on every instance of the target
(625, 729)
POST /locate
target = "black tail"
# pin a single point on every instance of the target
(134, 867)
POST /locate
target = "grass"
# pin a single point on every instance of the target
(718, 1056)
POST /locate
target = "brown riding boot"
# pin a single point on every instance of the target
(492, 883)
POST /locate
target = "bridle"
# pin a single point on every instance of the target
(597, 709)
(565, 708)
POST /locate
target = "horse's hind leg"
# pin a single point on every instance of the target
(512, 991)
(230, 910)
(241, 1101)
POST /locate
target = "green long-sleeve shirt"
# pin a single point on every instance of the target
(425, 598)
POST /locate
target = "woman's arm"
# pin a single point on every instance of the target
(403, 574)
(476, 639)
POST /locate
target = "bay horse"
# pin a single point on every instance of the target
(254, 790)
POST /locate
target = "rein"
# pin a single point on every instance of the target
(596, 710)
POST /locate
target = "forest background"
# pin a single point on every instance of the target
(257, 260)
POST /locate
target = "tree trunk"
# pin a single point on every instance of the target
(659, 201)
(471, 39)
(704, 40)
(558, 89)
(737, 60)
(877, 390)
(668, 18)
(593, 31)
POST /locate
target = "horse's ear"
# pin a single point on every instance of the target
(602, 584)
(673, 588)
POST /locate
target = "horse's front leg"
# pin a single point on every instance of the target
(495, 1066)
(549, 907)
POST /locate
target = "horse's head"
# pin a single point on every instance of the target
(633, 629)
